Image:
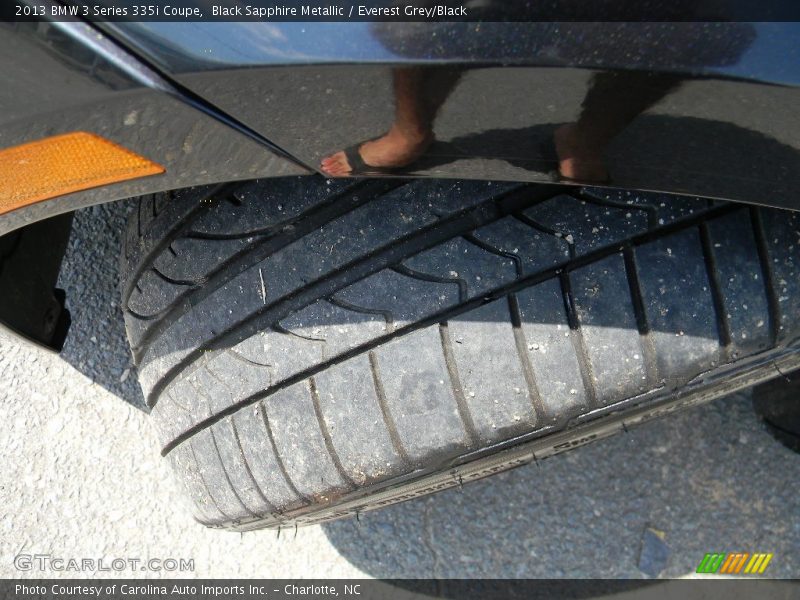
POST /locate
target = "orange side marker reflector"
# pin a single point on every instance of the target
(63, 164)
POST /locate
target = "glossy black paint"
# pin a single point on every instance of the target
(772, 55)
(723, 123)
(62, 78)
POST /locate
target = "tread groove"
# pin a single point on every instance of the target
(409, 272)
(388, 419)
(652, 211)
(205, 485)
(387, 315)
(326, 435)
(489, 248)
(181, 282)
(140, 317)
(278, 460)
(171, 235)
(773, 305)
(215, 237)
(578, 341)
(218, 456)
(525, 360)
(255, 252)
(640, 313)
(249, 472)
(526, 220)
(455, 385)
(139, 216)
(712, 272)
(278, 328)
(242, 358)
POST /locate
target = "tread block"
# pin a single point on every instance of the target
(679, 307)
(235, 465)
(741, 283)
(782, 237)
(264, 464)
(338, 329)
(214, 476)
(419, 393)
(551, 352)
(474, 270)
(285, 353)
(491, 376)
(588, 226)
(352, 412)
(536, 250)
(204, 508)
(406, 298)
(608, 325)
(300, 443)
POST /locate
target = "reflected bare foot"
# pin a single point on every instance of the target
(579, 158)
(393, 150)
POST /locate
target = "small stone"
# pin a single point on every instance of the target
(654, 552)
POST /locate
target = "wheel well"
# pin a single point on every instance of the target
(30, 261)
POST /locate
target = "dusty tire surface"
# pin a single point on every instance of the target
(313, 349)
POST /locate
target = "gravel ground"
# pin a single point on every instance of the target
(82, 477)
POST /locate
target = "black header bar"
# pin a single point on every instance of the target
(401, 10)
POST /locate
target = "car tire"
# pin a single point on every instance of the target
(313, 349)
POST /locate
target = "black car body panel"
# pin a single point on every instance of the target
(723, 124)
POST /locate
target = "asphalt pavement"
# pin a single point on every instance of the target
(82, 478)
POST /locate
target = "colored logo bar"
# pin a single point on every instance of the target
(734, 563)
